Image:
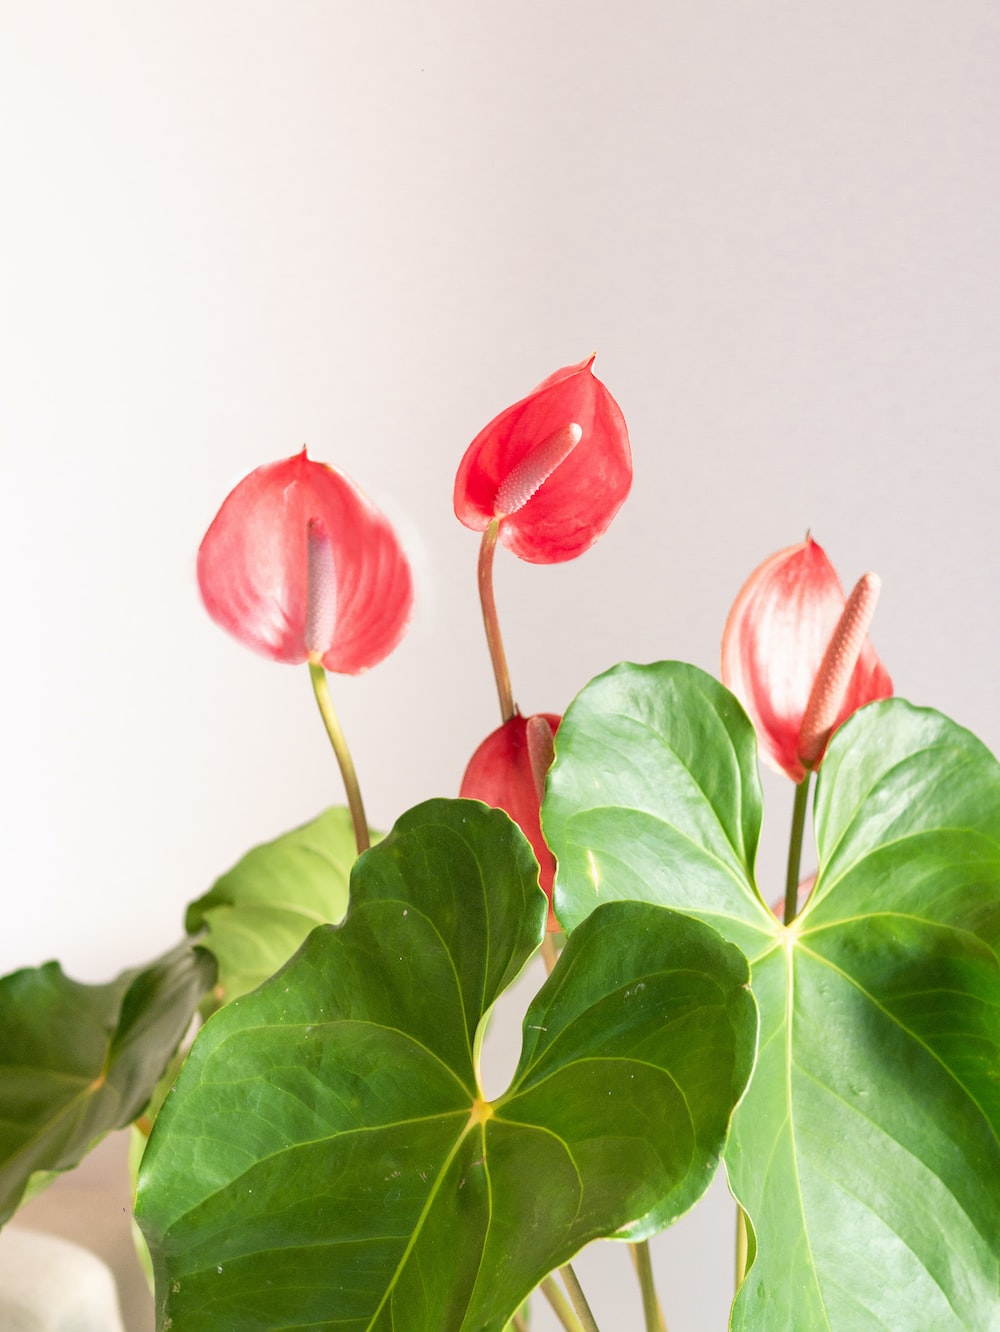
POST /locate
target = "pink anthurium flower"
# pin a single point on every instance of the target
(300, 565)
(508, 771)
(797, 656)
(553, 469)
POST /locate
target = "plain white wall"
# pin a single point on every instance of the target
(228, 229)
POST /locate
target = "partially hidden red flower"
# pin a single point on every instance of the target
(796, 654)
(554, 468)
(301, 566)
(806, 886)
(508, 772)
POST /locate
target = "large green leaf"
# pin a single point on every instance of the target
(656, 797)
(77, 1061)
(866, 1149)
(257, 914)
(326, 1158)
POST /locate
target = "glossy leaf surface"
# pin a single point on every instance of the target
(326, 1159)
(77, 1061)
(866, 1149)
(257, 914)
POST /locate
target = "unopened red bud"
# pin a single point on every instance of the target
(508, 771)
(541, 750)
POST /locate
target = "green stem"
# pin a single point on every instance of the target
(560, 1305)
(550, 954)
(653, 1314)
(575, 1292)
(795, 848)
(742, 1248)
(322, 691)
(491, 622)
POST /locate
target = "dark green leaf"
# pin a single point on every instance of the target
(257, 914)
(326, 1158)
(866, 1149)
(77, 1061)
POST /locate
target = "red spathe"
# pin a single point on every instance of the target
(576, 503)
(253, 566)
(773, 645)
(500, 774)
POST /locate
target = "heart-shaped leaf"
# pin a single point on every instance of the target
(257, 914)
(77, 1061)
(866, 1149)
(655, 797)
(327, 1159)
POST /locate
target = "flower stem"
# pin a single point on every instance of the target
(491, 623)
(653, 1314)
(742, 1245)
(550, 954)
(795, 848)
(575, 1291)
(322, 691)
(560, 1305)
(518, 1323)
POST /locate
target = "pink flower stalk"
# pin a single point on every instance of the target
(553, 469)
(798, 657)
(508, 771)
(299, 565)
(801, 897)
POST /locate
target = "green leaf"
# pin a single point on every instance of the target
(326, 1158)
(257, 915)
(655, 797)
(866, 1149)
(77, 1061)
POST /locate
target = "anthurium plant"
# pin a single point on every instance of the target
(322, 1154)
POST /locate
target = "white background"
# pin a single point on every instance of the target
(229, 229)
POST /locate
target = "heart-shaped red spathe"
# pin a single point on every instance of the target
(773, 646)
(253, 567)
(500, 773)
(575, 503)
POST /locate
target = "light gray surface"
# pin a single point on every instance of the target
(49, 1285)
(233, 228)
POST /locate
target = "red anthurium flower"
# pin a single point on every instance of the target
(300, 565)
(797, 656)
(508, 772)
(554, 469)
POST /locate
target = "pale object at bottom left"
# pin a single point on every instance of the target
(50, 1285)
